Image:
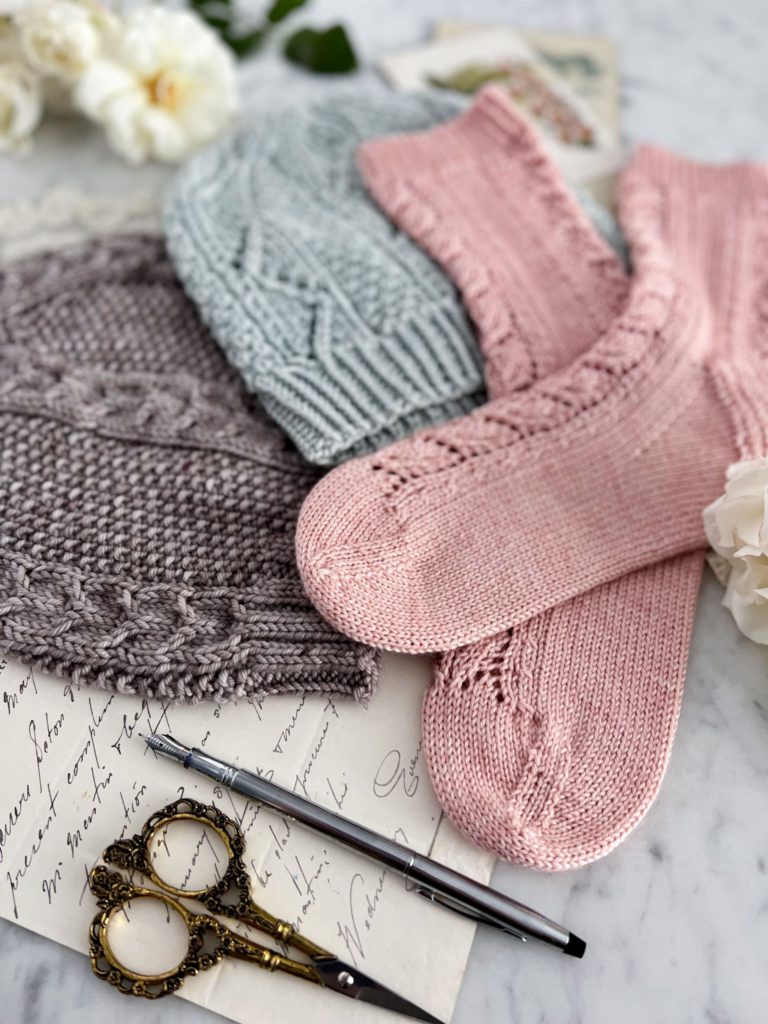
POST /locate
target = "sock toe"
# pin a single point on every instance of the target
(547, 744)
(352, 558)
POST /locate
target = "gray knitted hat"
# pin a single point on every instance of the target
(348, 332)
(147, 508)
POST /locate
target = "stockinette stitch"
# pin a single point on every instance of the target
(547, 743)
(346, 330)
(147, 507)
(482, 197)
(597, 470)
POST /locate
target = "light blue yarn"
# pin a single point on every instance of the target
(348, 333)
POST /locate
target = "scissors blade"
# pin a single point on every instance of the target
(349, 981)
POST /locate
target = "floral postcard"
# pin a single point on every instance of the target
(584, 147)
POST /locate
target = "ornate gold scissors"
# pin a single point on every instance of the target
(209, 940)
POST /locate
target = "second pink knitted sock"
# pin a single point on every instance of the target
(547, 743)
(596, 470)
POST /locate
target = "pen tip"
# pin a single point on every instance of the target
(575, 946)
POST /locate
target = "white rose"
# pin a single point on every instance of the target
(737, 528)
(21, 106)
(9, 40)
(63, 37)
(164, 86)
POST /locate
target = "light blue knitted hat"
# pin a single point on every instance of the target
(350, 335)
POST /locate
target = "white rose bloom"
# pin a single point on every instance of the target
(737, 528)
(164, 86)
(63, 37)
(9, 41)
(20, 106)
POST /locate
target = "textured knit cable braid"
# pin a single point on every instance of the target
(596, 470)
(147, 506)
(347, 332)
(545, 744)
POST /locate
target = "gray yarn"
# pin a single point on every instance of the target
(348, 332)
(147, 507)
(350, 335)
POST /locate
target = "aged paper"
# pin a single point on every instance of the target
(587, 150)
(74, 776)
(588, 63)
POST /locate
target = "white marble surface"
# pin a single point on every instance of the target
(676, 918)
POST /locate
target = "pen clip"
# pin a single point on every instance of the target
(460, 908)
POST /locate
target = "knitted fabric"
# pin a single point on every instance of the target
(545, 744)
(596, 470)
(482, 197)
(147, 508)
(347, 332)
(548, 743)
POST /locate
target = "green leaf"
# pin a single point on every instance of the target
(241, 46)
(282, 8)
(205, 8)
(220, 24)
(325, 52)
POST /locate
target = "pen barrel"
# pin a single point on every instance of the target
(341, 830)
(475, 900)
(431, 879)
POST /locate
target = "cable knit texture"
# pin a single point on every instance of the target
(147, 507)
(346, 331)
(594, 471)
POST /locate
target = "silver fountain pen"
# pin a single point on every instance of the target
(425, 876)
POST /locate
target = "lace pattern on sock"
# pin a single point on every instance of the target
(615, 368)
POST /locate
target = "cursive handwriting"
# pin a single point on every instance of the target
(15, 878)
(42, 745)
(286, 733)
(363, 904)
(143, 714)
(11, 819)
(11, 698)
(390, 774)
(300, 782)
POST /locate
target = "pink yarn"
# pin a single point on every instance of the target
(545, 744)
(548, 743)
(594, 471)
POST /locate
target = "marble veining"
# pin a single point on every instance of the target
(677, 917)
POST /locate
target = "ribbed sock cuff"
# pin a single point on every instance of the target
(483, 197)
(740, 183)
(490, 123)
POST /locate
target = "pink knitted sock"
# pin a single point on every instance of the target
(548, 744)
(543, 750)
(595, 471)
(482, 197)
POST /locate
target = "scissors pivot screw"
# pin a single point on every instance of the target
(346, 980)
